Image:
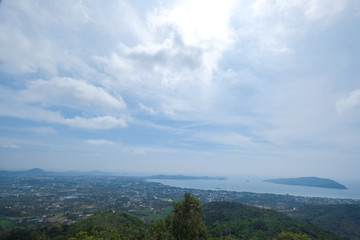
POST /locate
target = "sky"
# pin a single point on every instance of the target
(256, 87)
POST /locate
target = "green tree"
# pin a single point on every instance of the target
(186, 220)
(292, 236)
(159, 231)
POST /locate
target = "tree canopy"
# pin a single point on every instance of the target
(186, 219)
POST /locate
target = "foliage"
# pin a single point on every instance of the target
(246, 222)
(341, 218)
(97, 235)
(221, 221)
(292, 236)
(150, 216)
(186, 219)
(159, 230)
(117, 225)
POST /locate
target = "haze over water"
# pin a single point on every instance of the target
(257, 185)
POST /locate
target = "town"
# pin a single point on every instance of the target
(42, 198)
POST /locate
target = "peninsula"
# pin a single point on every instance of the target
(308, 182)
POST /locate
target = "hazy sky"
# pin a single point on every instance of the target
(195, 87)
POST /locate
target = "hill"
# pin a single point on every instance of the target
(341, 218)
(308, 182)
(221, 220)
(246, 222)
(35, 171)
(104, 223)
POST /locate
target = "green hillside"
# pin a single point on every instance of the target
(188, 221)
(246, 222)
(341, 218)
(102, 224)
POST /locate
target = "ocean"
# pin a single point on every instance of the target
(257, 185)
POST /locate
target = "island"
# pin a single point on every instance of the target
(308, 182)
(182, 177)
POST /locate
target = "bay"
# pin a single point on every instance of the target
(257, 185)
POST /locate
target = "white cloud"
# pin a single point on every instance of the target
(22, 59)
(99, 142)
(153, 65)
(207, 28)
(70, 92)
(135, 150)
(142, 150)
(267, 30)
(225, 138)
(21, 110)
(104, 122)
(199, 24)
(43, 37)
(10, 146)
(42, 130)
(96, 104)
(318, 9)
(149, 110)
(172, 74)
(310, 9)
(349, 102)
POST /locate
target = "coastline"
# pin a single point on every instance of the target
(257, 185)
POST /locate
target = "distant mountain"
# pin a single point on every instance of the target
(308, 182)
(31, 172)
(38, 172)
(182, 177)
(35, 171)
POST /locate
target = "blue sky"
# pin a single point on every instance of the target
(195, 87)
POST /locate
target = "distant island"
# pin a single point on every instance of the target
(182, 177)
(308, 182)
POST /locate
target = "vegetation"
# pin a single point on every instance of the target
(186, 219)
(341, 218)
(220, 220)
(109, 224)
(246, 222)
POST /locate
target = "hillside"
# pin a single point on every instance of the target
(221, 219)
(341, 218)
(308, 182)
(246, 222)
(104, 223)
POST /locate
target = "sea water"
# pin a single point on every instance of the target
(257, 185)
